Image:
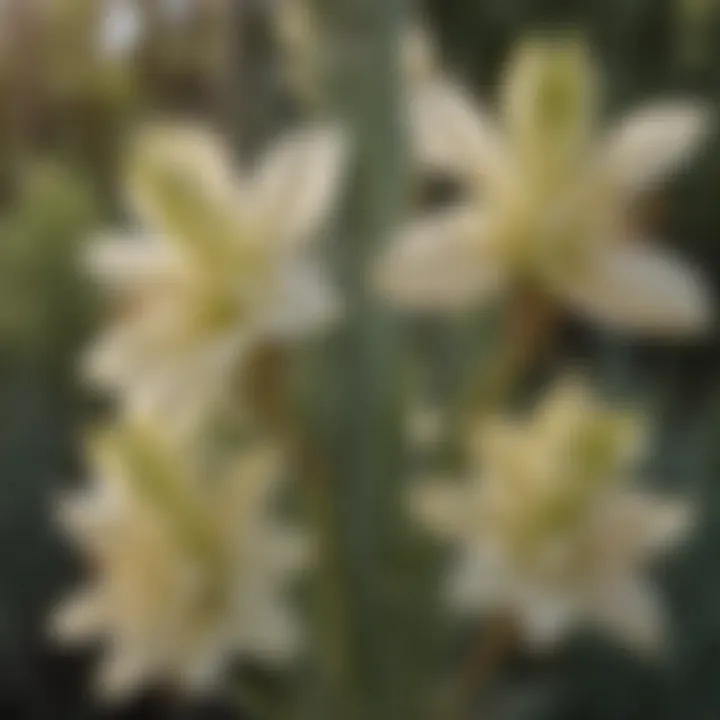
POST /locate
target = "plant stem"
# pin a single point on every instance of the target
(491, 649)
(529, 329)
(362, 427)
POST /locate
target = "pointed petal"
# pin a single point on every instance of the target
(642, 288)
(653, 142)
(549, 100)
(82, 514)
(186, 389)
(638, 524)
(172, 165)
(129, 349)
(298, 181)
(306, 303)
(120, 262)
(454, 136)
(546, 619)
(269, 629)
(477, 581)
(441, 264)
(630, 611)
(122, 674)
(79, 618)
(441, 507)
(160, 363)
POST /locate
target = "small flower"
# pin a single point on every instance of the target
(121, 28)
(549, 528)
(187, 573)
(223, 263)
(546, 203)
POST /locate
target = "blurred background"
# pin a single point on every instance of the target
(77, 75)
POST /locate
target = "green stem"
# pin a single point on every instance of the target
(487, 655)
(527, 333)
(362, 381)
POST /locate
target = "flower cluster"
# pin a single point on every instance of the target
(189, 562)
(190, 557)
(546, 525)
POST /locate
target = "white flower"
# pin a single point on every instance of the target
(548, 527)
(187, 571)
(545, 201)
(120, 28)
(223, 262)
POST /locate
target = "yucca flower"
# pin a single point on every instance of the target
(547, 526)
(187, 571)
(222, 262)
(545, 198)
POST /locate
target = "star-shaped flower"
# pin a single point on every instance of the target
(546, 525)
(222, 262)
(545, 199)
(187, 573)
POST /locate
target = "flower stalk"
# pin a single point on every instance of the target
(361, 425)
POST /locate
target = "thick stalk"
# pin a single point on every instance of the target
(361, 382)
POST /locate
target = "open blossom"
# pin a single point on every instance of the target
(545, 524)
(187, 572)
(546, 198)
(223, 261)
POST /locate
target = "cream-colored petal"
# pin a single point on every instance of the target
(305, 302)
(440, 507)
(451, 134)
(546, 618)
(131, 348)
(478, 581)
(298, 181)
(629, 610)
(268, 629)
(166, 157)
(84, 514)
(652, 142)
(185, 390)
(549, 102)
(642, 288)
(124, 262)
(79, 618)
(637, 525)
(441, 264)
(158, 365)
(122, 674)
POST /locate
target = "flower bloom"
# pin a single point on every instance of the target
(549, 529)
(185, 573)
(223, 262)
(545, 200)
